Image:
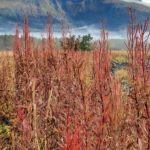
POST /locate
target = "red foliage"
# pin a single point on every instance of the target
(70, 100)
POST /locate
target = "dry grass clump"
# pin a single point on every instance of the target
(122, 74)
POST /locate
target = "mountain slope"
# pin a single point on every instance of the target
(82, 15)
(12, 12)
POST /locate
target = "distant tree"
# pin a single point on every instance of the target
(80, 43)
(6, 41)
(85, 43)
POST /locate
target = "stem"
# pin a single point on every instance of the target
(147, 112)
(48, 113)
(35, 115)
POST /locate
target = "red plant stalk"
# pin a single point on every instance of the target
(50, 40)
(102, 84)
(23, 73)
(17, 43)
(65, 31)
(138, 59)
(79, 62)
(26, 37)
(24, 124)
(72, 139)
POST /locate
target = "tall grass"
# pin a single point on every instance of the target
(70, 100)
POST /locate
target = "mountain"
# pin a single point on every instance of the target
(117, 44)
(12, 12)
(28, 7)
(83, 16)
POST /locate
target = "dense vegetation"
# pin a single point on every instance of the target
(6, 42)
(70, 99)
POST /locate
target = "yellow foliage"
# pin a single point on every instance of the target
(122, 74)
(5, 131)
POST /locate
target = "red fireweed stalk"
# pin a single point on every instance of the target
(50, 40)
(26, 36)
(101, 70)
(139, 72)
(72, 139)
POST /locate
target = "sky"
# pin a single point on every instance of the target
(142, 2)
(82, 16)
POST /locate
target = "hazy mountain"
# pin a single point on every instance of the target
(82, 15)
(117, 44)
(29, 7)
(38, 11)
